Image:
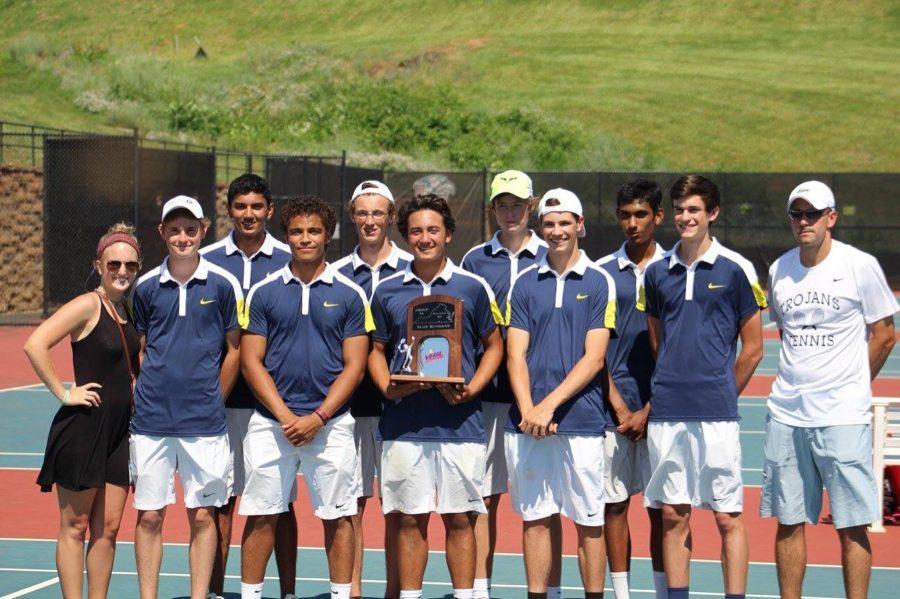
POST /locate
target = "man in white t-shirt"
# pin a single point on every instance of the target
(834, 311)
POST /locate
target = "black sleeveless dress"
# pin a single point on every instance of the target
(88, 447)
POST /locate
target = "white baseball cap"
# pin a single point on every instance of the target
(372, 187)
(566, 201)
(186, 202)
(815, 192)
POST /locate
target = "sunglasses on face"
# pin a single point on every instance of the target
(808, 215)
(116, 265)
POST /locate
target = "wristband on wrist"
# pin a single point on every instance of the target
(65, 398)
(325, 416)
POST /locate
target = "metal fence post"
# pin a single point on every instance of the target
(45, 300)
(249, 160)
(486, 215)
(1, 142)
(342, 179)
(136, 135)
(32, 146)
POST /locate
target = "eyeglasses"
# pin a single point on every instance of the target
(808, 215)
(361, 216)
(116, 265)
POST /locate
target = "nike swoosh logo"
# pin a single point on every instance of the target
(711, 286)
(337, 507)
(592, 515)
(203, 302)
(836, 279)
(207, 495)
(581, 296)
(330, 305)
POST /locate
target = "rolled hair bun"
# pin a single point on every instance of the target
(120, 232)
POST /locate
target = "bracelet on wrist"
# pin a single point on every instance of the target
(323, 415)
(65, 398)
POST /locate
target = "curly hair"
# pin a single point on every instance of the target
(425, 202)
(307, 205)
(246, 184)
(642, 190)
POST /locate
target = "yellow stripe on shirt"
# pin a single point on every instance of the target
(759, 294)
(609, 318)
(498, 315)
(370, 321)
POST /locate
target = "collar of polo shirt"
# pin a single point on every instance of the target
(392, 260)
(266, 248)
(444, 275)
(531, 247)
(327, 276)
(709, 256)
(579, 268)
(200, 273)
(625, 262)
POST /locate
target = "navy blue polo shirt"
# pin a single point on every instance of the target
(178, 392)
(557, 311)
(500, 267)
(248, 270)
(629, 357)
(366, 400)
(427, 416)
(700, 308)
(305, 326)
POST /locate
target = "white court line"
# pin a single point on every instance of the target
(21, 453)
(365, 580)
(18, 468)
(23, 387)
(32, 588)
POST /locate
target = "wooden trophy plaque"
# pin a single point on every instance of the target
(433, 346)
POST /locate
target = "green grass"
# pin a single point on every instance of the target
(740, 85)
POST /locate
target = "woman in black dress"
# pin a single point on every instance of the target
(87, 449)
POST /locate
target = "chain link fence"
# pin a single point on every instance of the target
(66, 187)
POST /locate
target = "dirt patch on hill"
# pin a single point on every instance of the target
(431, 56)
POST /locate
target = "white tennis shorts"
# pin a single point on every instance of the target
(695, 463)
(560, 474)
(237, 419)
(203, 465)
(418, 477)
(626, 465)
(496, 475)
(368, 451)
(328, 465)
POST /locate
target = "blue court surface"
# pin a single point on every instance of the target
(22, 438)
(27, 569)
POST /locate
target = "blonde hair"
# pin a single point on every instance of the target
(119, 232)
(121, 227)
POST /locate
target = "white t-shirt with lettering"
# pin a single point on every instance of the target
(823, 312)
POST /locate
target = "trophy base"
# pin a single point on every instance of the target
(415, 378)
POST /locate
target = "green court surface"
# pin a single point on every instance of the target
(28, 563)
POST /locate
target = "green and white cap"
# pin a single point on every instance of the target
(515, 183)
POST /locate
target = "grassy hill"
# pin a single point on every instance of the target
(734, 85)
